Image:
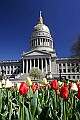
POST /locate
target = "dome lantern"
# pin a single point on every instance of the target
(40, 19)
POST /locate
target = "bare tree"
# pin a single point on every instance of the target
(75, 48)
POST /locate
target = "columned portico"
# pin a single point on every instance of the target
(42, 63)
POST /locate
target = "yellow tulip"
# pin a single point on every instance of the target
(28, 81)
(44, 81)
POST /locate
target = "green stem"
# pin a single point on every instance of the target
(55, 99)
(64, 112)
(23, 109)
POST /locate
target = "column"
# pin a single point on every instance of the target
(30, 64)
(13, 68)
(58, 68)
(6, 69)
(42, 41)
(66, 68)
(34, 63)
(45, 42)
(46, 65)
(62, 67)
(23, 66)
(37, 41)
(38, 63)
(9, 69)
(42, 64)
(27, 66)
(50, 64)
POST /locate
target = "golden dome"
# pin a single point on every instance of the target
(40, 26)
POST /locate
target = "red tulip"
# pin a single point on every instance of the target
(54, 85)
(23, 88)
(38, 87)
(47, 86)
(64, 92)
(36, 83)
(33, 87)
(78, 85)
(65, 84)
(78, 94)
(70, 85)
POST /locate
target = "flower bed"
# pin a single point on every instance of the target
(48, 101)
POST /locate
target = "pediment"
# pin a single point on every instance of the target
(36, 53)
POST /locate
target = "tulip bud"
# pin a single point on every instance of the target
(28, 81)
(8, 84)
(74, 87)
(18, 86)
(44, 81)
(60, 83)
(3, 82)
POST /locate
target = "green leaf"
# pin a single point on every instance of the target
(30, 93)
(26, 117)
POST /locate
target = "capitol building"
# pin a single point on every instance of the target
(41, 55)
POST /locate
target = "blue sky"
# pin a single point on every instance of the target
(18, 17)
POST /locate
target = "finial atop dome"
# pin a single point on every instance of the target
(40, 19)
(40, 13)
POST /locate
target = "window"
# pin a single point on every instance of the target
(68, 70)
(59, 65)
(69, 77)
(60, 71)
(68, 64)
(63, 64)
(8, 71)
(18, 66)
(18, 71)
(64, 70)
(77, 69)
(77, 77)
(72, 64)
(11, 72)
(73, 70)
(73, 77)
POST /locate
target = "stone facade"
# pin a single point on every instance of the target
(42, 55)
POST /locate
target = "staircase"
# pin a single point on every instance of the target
(23, 76)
